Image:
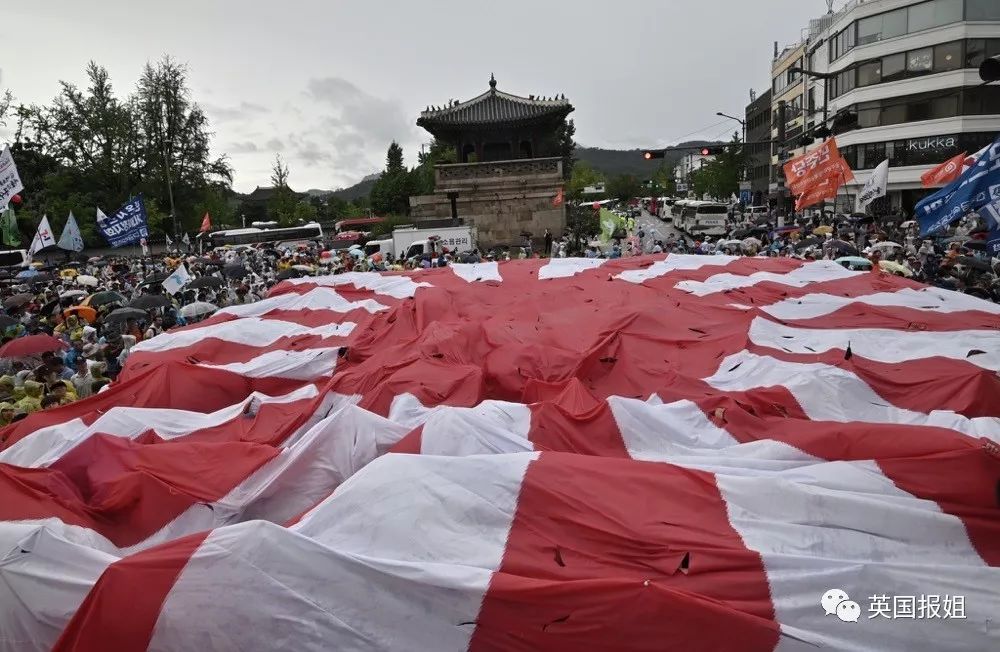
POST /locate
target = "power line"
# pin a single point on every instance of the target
(701, 130)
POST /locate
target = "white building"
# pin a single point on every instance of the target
(909, 70)
(688, 164)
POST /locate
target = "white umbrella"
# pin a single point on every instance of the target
(88, 281)
(886, 245)
(303, 268)
(751, 242)
(908, 223)
(198, 308)
(72, 294)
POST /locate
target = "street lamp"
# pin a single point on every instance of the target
(743, 123)
(166, 166)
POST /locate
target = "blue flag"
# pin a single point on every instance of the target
(126, 226)
(977, 187)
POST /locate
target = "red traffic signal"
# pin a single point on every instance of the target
(710, 151)
(650, 154)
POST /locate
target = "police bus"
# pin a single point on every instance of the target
(254, 236)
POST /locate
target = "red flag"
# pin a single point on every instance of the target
(803, 172)
(558, 199)
(945, 173)
(206, 224)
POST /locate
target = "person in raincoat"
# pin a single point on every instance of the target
(32, 401)
(71, 326)
(6, 414)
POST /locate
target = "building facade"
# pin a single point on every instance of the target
(758, 121)
(788, 90)
(908, 70)
(510, 168)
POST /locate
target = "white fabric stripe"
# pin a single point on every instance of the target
(44, 578)
(882, 344)
(827, 525)
(307, 364)
(397, 286)
(472, 272)
(929, 299)
(46, 445)
(566, 267)
(250, 331)
(316, 299)
(816, 272)
(813, 385)
(492, 427)
(674, 262)
(833, 527)
(415, 567)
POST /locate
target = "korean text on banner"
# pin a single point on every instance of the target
(977, 187)
(126, 226)
(824, 162)
(10, 182)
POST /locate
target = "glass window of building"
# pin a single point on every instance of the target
(870, 73)
(944, 107)
(975, 52)
(894, 23)
(921, 16)
(869, 30)
(894, 67)
(868, 114)
(982, 10)
(895, 112)
(920, 61)
(946, 12)
(948, 56)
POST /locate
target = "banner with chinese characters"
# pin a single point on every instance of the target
(126, 226)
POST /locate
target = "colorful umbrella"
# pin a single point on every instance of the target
(894, 268)
(85, 313)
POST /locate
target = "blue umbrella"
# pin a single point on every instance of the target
(28, 273)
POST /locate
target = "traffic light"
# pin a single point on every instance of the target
(711, 151)
(989, 70)
(650, 154)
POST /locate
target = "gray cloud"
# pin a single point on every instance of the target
(243, 111)
(243, 147)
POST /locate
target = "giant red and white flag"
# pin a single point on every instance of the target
(707, 452)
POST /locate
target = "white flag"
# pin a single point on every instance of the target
(875, 187)
(101, 217)
(186, 240)
(170, 243)
(177, 280)
(43, 237)
(10, 182)
(71, 240)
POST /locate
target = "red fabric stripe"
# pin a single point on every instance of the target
(411, 443)
(899, 318)
(127, 600)
(598, 559)
(214, 351)
(128, 490)
(203, 390)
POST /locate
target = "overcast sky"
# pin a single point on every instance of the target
(329, 84)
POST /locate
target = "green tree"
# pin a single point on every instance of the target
(284, 205)
(720, 177)
(623, 187)
(583, 176)
(391, 193)
(422, 176)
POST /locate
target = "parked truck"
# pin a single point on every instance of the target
(410, 241)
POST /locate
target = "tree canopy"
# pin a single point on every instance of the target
(91, 148)
(720, 177)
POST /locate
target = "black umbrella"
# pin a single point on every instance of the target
(845, 248)
(974, 263)
(746, 233)
(762, 220)
(121, 314)
(41, 278)
(18, 300)
(159, 277)
(235, 271)
(206, 282)
(975, 244)
(7, 320)
(808, 242)
(149, 301)
(50, 307)
(287, 274)
(206, 261)
(102, 298)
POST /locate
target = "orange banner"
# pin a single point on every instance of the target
(945, 173)
(804, 172)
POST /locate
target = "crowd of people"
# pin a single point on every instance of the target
(67, 327)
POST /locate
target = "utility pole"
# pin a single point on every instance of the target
(164, 131)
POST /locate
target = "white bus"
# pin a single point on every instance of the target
(701, 217)
(254, 236)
